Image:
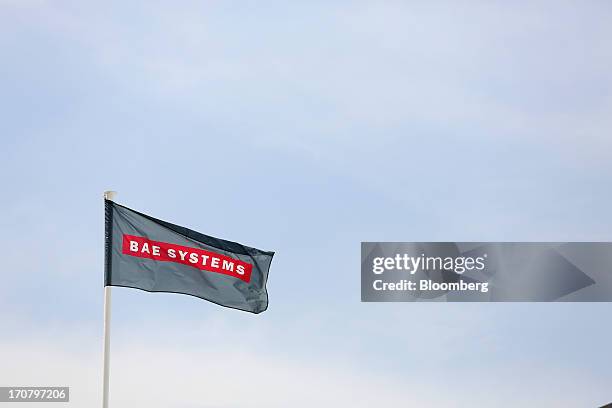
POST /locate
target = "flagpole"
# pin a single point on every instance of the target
(107, 318)
(108, 195)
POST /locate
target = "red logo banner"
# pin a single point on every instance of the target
(142, 247)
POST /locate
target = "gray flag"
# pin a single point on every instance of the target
(145, 253)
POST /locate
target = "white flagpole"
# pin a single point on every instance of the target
(107, 320)
(108, 195)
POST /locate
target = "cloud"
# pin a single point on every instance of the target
(161, 375)
(368, 120)
(314, 79)
(504, 71)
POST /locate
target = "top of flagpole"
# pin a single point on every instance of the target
(110, 195)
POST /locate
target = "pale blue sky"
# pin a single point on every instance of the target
(303, 129)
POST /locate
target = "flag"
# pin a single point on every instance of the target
(145, 253)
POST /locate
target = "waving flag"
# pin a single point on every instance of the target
(145, 253)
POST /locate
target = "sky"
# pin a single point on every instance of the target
(303, 128)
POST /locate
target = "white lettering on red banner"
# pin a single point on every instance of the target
(209, 261)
